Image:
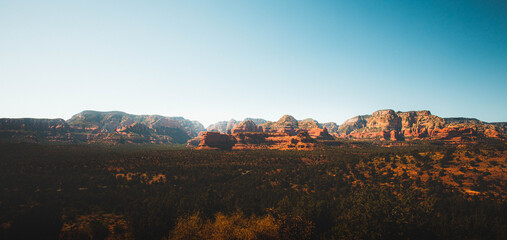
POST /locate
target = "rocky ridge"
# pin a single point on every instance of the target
(101, 127)
(390, 125)
(119, 127)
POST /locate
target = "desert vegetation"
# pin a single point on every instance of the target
(345, 191)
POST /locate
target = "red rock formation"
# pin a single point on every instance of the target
(320, 133)
(392, 135)
(255, 140)
(280, 141)
(384, 120)
(286, 122)
(353, 124)
(222, 126)
(194, 142)
(308, 124)
(216, 140)
(388, 125)
(417, 124)
(331, 127)
(135, 128)
(246, 126)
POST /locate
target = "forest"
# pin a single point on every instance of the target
(426, 190)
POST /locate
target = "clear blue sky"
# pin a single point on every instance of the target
(216, 60)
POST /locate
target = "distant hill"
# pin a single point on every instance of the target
(101, 127)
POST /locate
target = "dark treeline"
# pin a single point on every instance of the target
(148, 192)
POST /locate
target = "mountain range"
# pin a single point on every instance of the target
(118, 127)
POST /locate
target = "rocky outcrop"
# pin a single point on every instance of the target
(286, 133)
(274, 140)
(138, 128)
(419, 124)
(388, 125)
(227, 126)
(223, 126)
(320, 134)
(257, 121)
(383, 120)
(216, 140)
(353, 124)
(247, 126)
(308, 124)
(331, 127)
(287, 123)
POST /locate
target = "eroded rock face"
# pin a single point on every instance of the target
(384, 120)
(255, 140)
(194, 142)
(247, 126)
(331, 127)
(419, 124)
(223, 126)
(216, 140)
(257, 121)
(320, 134)
(286, 123)
(388, 125)
(271, 140)
(353, 124)
(138, 128)
(308, 124)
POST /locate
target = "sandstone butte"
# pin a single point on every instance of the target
(390, 125)
(383, 125)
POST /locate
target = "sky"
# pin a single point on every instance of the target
(216, 60)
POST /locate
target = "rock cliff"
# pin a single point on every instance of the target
(320, 134)
(216, 140)
(383, 120)
(287, 123)
(355, 123)
(247, 126)
(223, 126)
(331, 127)
(308, 124)
(390, 125)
